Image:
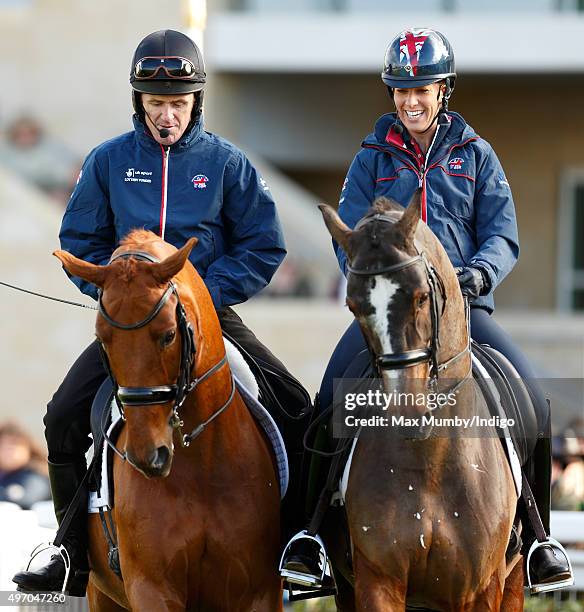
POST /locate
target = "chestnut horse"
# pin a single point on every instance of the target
(197, 524)
(429, 516)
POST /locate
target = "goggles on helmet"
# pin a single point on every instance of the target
(174, 68)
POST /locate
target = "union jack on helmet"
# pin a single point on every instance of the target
(418, 57)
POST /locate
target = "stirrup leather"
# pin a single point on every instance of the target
(64, 555)
(307, 580)
(551, 586)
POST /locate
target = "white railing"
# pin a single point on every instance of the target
(568, 528)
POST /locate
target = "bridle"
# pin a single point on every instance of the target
(407, 359)
(161, 394)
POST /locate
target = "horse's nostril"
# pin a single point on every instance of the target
(159, 457)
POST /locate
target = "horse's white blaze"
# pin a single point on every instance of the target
(381, 298)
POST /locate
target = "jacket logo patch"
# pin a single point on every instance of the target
(199, 181)
(137, 176)
(456, 163)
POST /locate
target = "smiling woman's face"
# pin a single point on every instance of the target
(418, 106)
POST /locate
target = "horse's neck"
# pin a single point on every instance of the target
(454, 336)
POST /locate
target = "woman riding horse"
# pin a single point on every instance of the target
(430, 507)
(172, 177)
(467, 202)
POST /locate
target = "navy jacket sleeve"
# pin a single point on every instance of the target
(356, 197)
(87, 229)
(254, 237)
(495, 221)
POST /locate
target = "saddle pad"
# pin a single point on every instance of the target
(514, 462)
(529, 416)
(103, 497)
(241, 370)
(264, 418)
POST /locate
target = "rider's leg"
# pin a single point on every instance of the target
(293, 398)
(302, 562)
(67, 428)
(548, 564)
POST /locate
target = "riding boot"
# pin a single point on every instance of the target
(65, 479)
(548, 566)
(304, 560)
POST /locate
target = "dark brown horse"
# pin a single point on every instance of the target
(429, 516)
(197, 525)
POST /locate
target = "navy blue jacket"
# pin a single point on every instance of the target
(201, 186)
(466, 199)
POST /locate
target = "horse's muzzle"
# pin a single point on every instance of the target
(156, 465)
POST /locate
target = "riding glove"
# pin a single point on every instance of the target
(473, 281)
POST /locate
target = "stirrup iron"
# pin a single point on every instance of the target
(64, 555)
(548, 586)
(306, 580)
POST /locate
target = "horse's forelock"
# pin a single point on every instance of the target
(383, 205)
(128, 270)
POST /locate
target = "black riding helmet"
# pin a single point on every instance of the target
(167, 62)
(418, 57)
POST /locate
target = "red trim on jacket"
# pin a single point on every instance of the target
(163, 189)
(466, 176)
(454, 146)
(393, 178)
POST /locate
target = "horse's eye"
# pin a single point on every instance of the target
(422, 299)
(168, 338)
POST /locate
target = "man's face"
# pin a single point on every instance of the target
(417, 107)
(170, 112)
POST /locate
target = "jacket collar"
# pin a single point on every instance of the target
(457, 130)
(188, 139)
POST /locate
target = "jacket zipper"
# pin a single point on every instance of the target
(422, 170)
(165, 156)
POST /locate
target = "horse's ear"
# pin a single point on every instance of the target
(83, 269)
(337, 229)
(409, 220)
(172, 265)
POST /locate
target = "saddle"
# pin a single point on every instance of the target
(506, 394)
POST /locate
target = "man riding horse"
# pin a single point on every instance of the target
(172, 177)
(468, 205)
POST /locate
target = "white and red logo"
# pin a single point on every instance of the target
(410, 46)
(456, 163)
(200, 181)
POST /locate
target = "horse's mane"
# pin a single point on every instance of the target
(384, 205)
(139, 236)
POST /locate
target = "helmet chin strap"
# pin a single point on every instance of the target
(443, 107)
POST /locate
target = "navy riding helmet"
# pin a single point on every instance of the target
(167, 62)
(418, 57)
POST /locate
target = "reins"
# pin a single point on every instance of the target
(48, 297)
